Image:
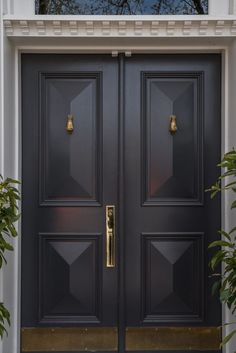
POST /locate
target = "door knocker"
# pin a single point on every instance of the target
(173, 124)
(69, 125)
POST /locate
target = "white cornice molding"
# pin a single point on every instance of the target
(120, 26)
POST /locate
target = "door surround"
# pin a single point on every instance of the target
(16, 122)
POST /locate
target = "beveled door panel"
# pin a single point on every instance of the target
(166, 178)
(70, 278)
(172, 277)
(67, 177)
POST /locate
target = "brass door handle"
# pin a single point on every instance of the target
(110, 236)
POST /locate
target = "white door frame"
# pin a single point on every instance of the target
(16, 257)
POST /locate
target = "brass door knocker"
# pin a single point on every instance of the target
(173, 125)
(69, 124)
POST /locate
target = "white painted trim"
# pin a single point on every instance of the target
(18, 173)
(120, 26)
(229, 215)
(1, 91)
(1, 125)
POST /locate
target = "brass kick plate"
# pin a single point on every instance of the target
(106, 339)
(68, 339)
(173, 338)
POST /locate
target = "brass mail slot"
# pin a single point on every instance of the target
(173, 338)
(69, 339)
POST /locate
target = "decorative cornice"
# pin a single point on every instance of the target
(52, 26)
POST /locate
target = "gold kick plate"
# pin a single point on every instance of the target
(110, 236)
(76, 339)
(69, 339)
(173, 338)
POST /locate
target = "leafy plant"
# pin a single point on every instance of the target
(9, 214)
(225, 283)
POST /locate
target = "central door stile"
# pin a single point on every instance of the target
(120, 215)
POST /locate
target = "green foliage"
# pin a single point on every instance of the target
(4, 316)
(225, 283)
(9, 196)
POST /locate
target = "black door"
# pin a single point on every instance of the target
(117, 153)
(168, 218)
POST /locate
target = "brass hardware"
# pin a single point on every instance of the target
(110, 236)
(69, 125)
(69, 339)
(173, 125)
(173, 338)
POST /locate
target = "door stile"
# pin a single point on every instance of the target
(120, 198)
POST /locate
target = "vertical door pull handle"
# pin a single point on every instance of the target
(110, 236)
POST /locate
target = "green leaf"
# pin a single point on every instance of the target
(219, 243)
(9, 197)
(224, 295)
(216, 287)
(217, 258)
(230, 184)
(227, 338)
(225, 234)
(233, 205)
(232, 230)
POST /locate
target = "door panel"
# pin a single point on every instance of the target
(172, 277)
(166, 178)
(68, 179)
(70, 278)
(168, 221)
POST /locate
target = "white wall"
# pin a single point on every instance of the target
(219, 7)
(232, 7)
(230, 220)
(1, 127)
(9, 167)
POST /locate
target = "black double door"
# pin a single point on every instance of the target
(117, 153)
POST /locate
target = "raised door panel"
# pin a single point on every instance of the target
(172, 278)
(172, 162)
(70, 281)
(70, 162)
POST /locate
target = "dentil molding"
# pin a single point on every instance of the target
(122, 26)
